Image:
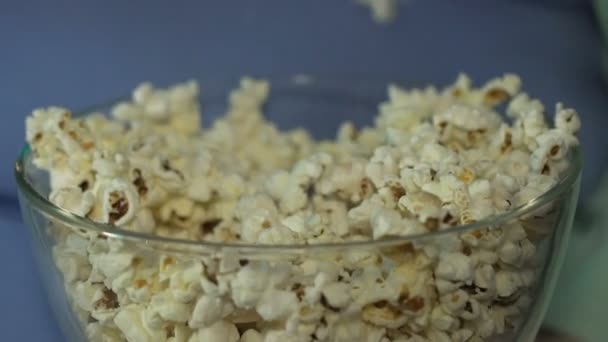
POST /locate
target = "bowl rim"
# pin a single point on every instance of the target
(47, 208)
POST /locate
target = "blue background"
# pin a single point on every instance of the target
(76, 54)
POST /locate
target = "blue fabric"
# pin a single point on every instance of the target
(25, 314)
(76, 54)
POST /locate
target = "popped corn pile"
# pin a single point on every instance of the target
(434, 159)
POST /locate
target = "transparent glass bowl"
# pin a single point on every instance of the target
(63, 241)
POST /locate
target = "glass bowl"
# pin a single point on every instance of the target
(386, 288)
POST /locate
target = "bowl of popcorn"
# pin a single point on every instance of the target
(443, 219)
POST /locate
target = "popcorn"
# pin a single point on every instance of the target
(276, 235)
(485, 278)
(383, 315)
(468, 118)
(360, 216)
(169, 177)
(382, 164)
(208, 310)
(386, 222)
(129, 321)
(566, 119)
(436, 335)
(298, 224)
(436, 154)
(337, 295)
(383, 11)
(500, 89)
(73, 266)
(251, 336)
(507, 283)
(336, 215)
(178, 209)
(533, 124)
(87, 296)
(454, 267)
(471, 310)
(97, 332)
(347, 180)
(119, 203)
(251, 94)
(144, 221)
(455, 302)
(462, 335)
(73, 200)
(256, 204)
(536, 186)
(516, 164)
(77, 244)
(249, 285)
(276, 183)
(352, 330)
(432, 160)
(424, 206)
(185, 284)
(177, 333)
(140, 290)
(521, 104)
(485, 327)
(510, 253)
(484, 256)
(168, 309)
(276, 304)
(112, 264)
(310, 169)
(282, 336)
(220, 331)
